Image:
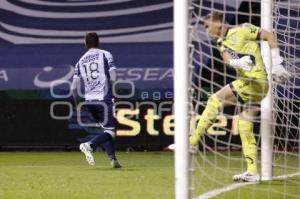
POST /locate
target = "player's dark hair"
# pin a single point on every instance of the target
(92, 40)
(214, 16)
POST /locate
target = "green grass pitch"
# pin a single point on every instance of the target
(145, 175)
(215, 171)
(66, 175)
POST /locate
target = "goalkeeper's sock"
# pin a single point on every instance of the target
(248, 144)
(110, 149)
(209, 115)
(100, 139)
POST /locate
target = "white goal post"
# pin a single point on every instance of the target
(181, 97)
(266, 104)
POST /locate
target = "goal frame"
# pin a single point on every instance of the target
(266, 104)
(181, 98)
(181, 54)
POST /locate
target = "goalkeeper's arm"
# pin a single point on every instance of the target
(270, 37)
(244, 63)
(278, 71)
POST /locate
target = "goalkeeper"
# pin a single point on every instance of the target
(239, 49)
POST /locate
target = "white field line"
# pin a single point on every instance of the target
(233, 186)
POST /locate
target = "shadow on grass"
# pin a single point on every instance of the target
(112, 169)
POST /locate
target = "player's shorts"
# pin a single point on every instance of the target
(250, 91)
(103, 113)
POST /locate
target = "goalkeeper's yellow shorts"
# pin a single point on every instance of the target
(250, 91)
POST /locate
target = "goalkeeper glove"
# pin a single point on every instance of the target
(279, 73)
(244, 63)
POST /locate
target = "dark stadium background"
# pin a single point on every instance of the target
(45, 47)
(35, 47)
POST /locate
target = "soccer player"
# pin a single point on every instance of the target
(239, 49)
(97, 70)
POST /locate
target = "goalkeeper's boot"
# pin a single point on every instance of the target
(115, 164)
(246, 177)
(87, 150)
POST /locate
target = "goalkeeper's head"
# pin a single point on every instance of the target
(213, 24)
(92, 40)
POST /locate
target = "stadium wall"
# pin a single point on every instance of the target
(40, 42)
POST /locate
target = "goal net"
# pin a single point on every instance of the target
(219, 155)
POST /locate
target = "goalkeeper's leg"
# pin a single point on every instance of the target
(211, 111)
(248, 144)
(245, 127)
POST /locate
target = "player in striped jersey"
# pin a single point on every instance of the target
(97, 70)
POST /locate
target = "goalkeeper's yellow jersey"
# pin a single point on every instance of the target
(241, 41)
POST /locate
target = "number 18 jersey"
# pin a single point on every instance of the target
(93, 68)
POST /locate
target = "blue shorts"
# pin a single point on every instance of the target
(103, 113)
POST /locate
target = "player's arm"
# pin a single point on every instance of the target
(111, 67)
(244, 63)
(113, 75)
(278, 71)
(270, 37)
(75, 85)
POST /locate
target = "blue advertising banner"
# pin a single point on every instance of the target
(37, 66)
(41, 41)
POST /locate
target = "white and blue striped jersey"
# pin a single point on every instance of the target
(93, 68)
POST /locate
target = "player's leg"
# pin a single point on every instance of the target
(251, 93)
(97, 111)
(101, 138)
(249, 146)
(111, 128)
(223, 97)
(88, 147)
(88, 152)
(105, 117)
(109, 147)
(110, 150)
